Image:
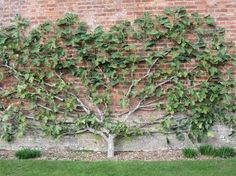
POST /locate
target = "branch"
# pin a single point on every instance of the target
(158, 121)
(151, 104)
(98, 110)
(62, 99)
(171, 78)
(162, 132)
(80, 102)
(58, 98)
(128, 113)
(152, 101)
(139, 105)
(100, 133)
(81, 131)
(164, 82)
(86, 108)
(148, 109)
(146, 75)
(90, 130)
(59, 111)
(147, 104)
(11, 68)
(44, 107)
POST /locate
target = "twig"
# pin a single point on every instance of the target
(148, 109)
(164, 82)
(98, 110)
(128, 113)
(86, 109)
(89, 130)
(44, 107)
(98, 132)
(146, 75)
(158, 121)
(11, 68)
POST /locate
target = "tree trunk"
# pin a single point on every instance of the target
(110, 146)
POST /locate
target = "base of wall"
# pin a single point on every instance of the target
(142, 143)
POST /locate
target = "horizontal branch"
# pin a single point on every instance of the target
(159, 120)
(147, 108)
(90, 130)
(162, 132)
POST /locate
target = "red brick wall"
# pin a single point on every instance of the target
(107, 12)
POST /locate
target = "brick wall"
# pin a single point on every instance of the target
(107, 12)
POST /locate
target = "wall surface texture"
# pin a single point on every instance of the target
(106, 13)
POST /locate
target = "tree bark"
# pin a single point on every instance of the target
(110, 146)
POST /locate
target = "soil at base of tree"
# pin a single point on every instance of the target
(65, 154)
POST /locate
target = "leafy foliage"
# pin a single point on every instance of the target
(67, 79)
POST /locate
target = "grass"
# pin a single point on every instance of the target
(222, 152)
(117, 168)
(189, 153)
(28, 153)
(207, 150)
(225, 152)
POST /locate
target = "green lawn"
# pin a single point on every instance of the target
(117, 168)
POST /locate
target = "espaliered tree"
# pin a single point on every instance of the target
(65, 79)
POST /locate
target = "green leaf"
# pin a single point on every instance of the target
(46, 26)
(209, 20)
(213, 71)
(69, 19)
(27, 76)
(148, 44)
(153, 32)
(2, 39)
